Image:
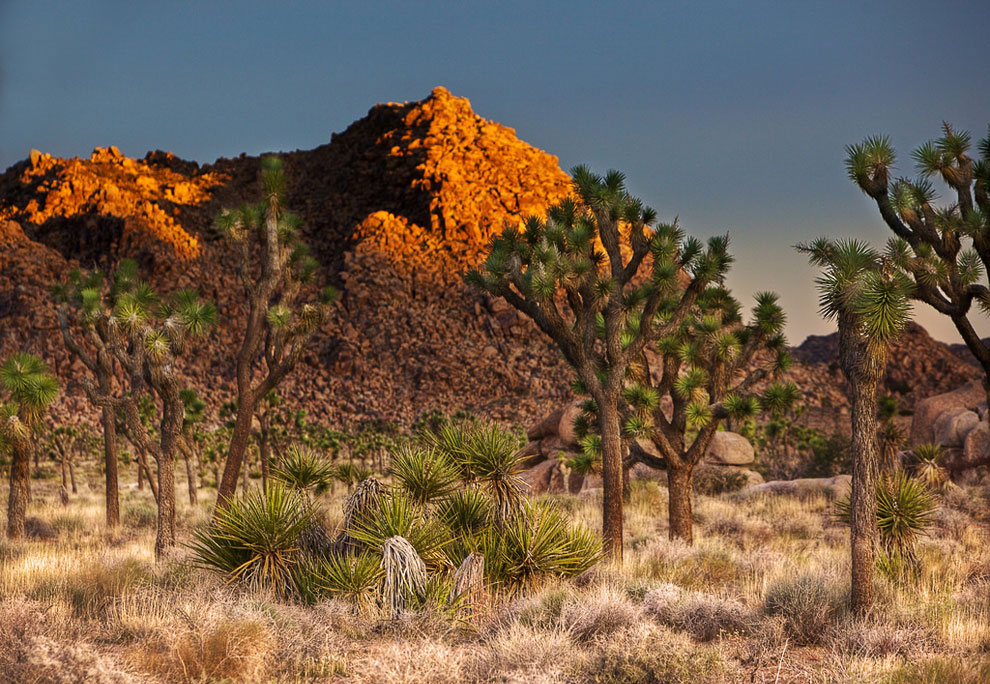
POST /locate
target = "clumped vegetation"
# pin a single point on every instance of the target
(454, 495)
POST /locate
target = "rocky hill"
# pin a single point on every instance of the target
(396, 208)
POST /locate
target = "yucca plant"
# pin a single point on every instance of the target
(30, 389)
(466, 512)
(537, 543)
(451, 440)
(492, 456)
(255, 539)
(351, 575)
(397, 515)
(404, 575)
(928, 468)
(425, 473)
(906, 508)
(304, 469)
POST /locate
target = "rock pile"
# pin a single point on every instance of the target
(552, 442)
(958, 422)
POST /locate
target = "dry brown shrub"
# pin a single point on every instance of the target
(704, 616)
(34, 647)
(234, 649)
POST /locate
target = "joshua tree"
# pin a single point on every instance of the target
(281, 320)
(193, 413)
(711, 366)
(588, 275)
(63, 443)
(127, 322)
(944, 249)
(30, 388)
(868, 297)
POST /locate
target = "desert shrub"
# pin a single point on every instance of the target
(93, 589)
(228, 649)
(139, 515)
(941, 670)
(830, 456)
(715, 480)
(707, 566)
(254, 539)
(808, 603)
(599, 613)
(648, 654)
(704, 616)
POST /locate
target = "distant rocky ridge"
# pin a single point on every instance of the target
(396, 208)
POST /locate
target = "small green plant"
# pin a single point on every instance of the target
(425, 473)
(303, 468)
(928, 468)
(906, 508)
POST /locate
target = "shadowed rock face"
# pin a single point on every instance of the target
(396, 208)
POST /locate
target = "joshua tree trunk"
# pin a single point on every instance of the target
(140, 476)
(20, 472)
(144, 466)
(862, 367)
(608, 425)
(72, 475)
(679, 502)
(171, 429)
(265, 449)
(238, 446)
(190, 477)
(110, 456)
(65, 470)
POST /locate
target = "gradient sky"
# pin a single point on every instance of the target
(732, 115)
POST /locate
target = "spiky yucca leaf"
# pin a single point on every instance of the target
(354, 576)
(466, 511)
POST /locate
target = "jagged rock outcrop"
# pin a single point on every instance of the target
(396, 208)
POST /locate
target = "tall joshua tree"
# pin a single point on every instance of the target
(586, 274)
(281, 319)
(868, 296)
(30, 388)
(944, 249)
(712, 364)
(145, 334)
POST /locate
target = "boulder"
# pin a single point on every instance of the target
(565, 427)
(546, 427)
(976, 446)
(730, 448)
(550, 446)
(530, 454)
(544, 478)
(832, 487)
(952, 425)
(926, 411)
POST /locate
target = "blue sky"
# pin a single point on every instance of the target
(731, 115)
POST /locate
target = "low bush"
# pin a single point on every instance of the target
(808, 603)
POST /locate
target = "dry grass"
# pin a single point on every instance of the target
(759, 598)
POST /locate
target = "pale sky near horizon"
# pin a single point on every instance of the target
(731, 115)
